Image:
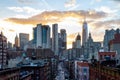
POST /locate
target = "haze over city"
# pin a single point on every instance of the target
(59, 40)
(20, 16)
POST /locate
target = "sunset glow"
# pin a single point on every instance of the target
(20, 16)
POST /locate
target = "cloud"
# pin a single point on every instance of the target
(107, 10)
(95, 21)
(71, 38)
(24, 12)
(108, 24)
(11, 30)
(41, 3)
(98, 28)
(94, 1)
(58, 16)
(24, 9)
(74, 7)
(1, 28)
(98, 0)
(26, 1)
(70, 3)
(15, 9)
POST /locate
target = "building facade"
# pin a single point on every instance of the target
(3, 51)
(102, 56)
(16, 41)
(55, 43)
(114, 44)
(9, 45)
(99, 72)
(10, 74)
(81, 70)
(77, 43)
(84, 32)
(41, 36)
(62, 41)
(63, 38)
(109, 35)
(89, 49)
(24, 39)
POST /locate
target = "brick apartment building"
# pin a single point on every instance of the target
(3, 51)
(99, 72)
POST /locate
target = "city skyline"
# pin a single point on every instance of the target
(20, 16)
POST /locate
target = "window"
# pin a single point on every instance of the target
(85, 70)
(113, 55)
(100, 56)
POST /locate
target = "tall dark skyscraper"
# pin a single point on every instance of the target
(63, 38)
(84, 32)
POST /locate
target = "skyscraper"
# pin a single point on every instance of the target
(35, 35)
(46, 36)
(109, 35)
(41, 36)
(55, 38)
(59, 43)
(9, 45)
(90, 41)
(78, 41)
(16, 41)
(24, 38)
(84, 33)
(63, 38)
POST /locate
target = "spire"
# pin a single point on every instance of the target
(90, 38)
(84, 31)
(89, 35)
(16, 36)
(85, 18)
(117, 31)
(78, 37)
(16, 41)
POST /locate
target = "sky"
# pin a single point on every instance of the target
(20, 16)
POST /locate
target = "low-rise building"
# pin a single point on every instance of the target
(106, 55)
(81, 70)
(10, 74)
(39, 53)
(114, 44)
(100, 72)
